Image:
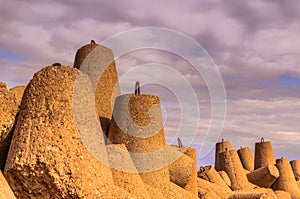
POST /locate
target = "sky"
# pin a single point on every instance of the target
(254, 44)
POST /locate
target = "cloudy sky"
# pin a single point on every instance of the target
(255, 45)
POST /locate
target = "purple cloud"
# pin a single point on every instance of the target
(252, 42)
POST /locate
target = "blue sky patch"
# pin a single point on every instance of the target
(289, 82)
(267, 84)
(10, 55)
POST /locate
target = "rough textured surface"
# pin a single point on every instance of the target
(283, 194)
(221, 147)
(248, 195)
(98, 62)
(17, 92)
(138, 113)
(286, 181)
(10, 100)
(225, 177)
(5, 191)
(246, 171)
(264, 176)
(183, 171)
(246, 158)
(207, 189)
(208, 195)
(264, 154)
(129, 181)
(255, 193)
(296, 168)
(251, 195)
(154, 192)
(210, 174)
(231, 164)
(137, 123)
(175, 191)
(132, 118)
(189, 151)
(47, 158)
(58, 148)
(192, 184)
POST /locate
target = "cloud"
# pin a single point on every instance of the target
(255, 45)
